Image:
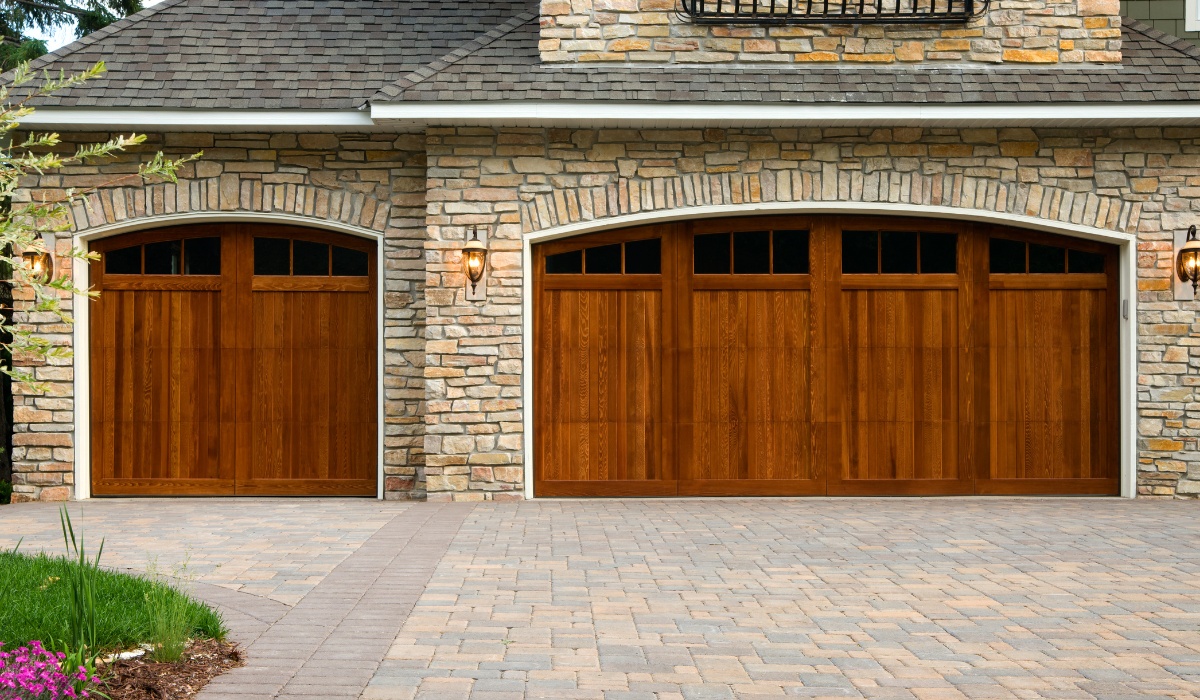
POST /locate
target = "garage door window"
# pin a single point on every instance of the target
(191, 256)
(899, 252)
(275, 257)
(783, 252)
(642, 257)
(1018, 257)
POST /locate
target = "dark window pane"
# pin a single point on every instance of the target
(711, 252)
(568, 263)
(163, 258)
(1006, 256)
(899, 252)
(310, 258)
(123, 261)
(860, 252)
(791, 253)
(1045, 258)
(939, 253)
(643, 257)
(603, 260)
(202, 256)
(272, 256)
(1081, 261)
(349, 263)
(752, 252)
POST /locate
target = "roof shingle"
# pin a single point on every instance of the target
(1156, 68)
(339, 54)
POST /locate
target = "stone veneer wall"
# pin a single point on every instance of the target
(1012, 31)
(1143, 180)
(371, 181)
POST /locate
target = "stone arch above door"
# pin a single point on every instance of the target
(627, 197)
(229, 194)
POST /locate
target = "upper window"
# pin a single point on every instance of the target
(782, 252)
(1007, 256)
(831, 11)
(631, 258)
(189, 256)
(899, 253)
(285, 256)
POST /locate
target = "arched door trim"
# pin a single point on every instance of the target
(1126, 242)
(81, 338)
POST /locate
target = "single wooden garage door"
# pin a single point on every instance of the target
(233, 359)
(825, 355)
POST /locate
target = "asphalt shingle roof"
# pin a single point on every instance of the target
(340, 54)
(1156, 68)
(268, 54)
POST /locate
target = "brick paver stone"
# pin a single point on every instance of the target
(866, 598)
(331, 642)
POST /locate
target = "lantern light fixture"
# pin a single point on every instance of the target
(474, 258)
(39, 263)
(1187, 261)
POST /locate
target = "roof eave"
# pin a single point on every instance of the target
(609, 113)
(69, 118)
(606, 113)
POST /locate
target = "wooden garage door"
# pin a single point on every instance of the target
(233, 359)
(825, 355)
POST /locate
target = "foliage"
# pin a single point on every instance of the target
(5, 493)
(33, 673)
(170, 626)
(19, 17)
(79, 646)
(22, 226)
(35, 604)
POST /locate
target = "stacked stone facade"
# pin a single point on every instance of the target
(371, 182)
(1010, 32)
(1136, 181)
(454, 368)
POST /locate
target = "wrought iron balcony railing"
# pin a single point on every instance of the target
(830, 11)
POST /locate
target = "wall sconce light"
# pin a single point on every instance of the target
(475, 260)
(39, 263)
(1187, 261)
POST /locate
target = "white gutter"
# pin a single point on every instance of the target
(528, 112)
(200, 118)
(583, 113)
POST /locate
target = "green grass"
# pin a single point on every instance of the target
(34, 604)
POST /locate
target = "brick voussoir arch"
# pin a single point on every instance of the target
(627, 196)
(218, 195)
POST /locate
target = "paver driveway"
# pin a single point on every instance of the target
(698, 599)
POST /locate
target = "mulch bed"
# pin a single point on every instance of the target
(142, 679)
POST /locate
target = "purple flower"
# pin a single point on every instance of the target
(34, 673)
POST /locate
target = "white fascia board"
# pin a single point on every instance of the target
(199, 118)
(505, 112)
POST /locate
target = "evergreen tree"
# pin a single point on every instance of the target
(20, 17)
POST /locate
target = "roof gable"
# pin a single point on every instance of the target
(268, 54)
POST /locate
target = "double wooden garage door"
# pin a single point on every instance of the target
(233, 359)
(823, 355)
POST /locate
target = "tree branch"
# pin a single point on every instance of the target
(51, 8)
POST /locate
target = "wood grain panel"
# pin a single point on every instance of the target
(600, 386)
(202, 386)
(155, 409)
(749, 391)
(1052, 407)
(902, 355)
(312, 357)
(866, 384)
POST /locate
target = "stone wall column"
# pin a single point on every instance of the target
(474, 441)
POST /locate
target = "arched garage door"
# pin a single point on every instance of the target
(233, 359)
(825, 355)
